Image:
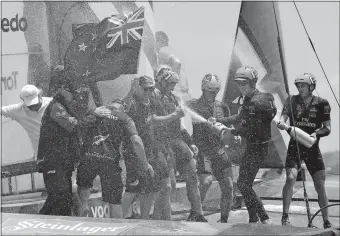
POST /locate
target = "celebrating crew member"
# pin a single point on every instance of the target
(59, 151)
(311, 114)
(255, 117)
(168, 111)
(101, 143)
(212, 157)
(146, 186)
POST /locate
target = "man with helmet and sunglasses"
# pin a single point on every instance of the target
(212, 157)
(311, 114)
(146, 186)
(254, 119)
(168, 114)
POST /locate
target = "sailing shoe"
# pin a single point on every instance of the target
(200, 218)
(327, 224)
(267, 222)
(285, 221)
(196, 217)
(191, 215)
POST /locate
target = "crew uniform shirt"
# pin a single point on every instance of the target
(111, 131)
(163, 105)
(308, 118)
(141, 115)
(206, 141)
(29, 120)
(255, 116)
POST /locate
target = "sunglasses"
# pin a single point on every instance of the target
(149, 89)
(242, 83)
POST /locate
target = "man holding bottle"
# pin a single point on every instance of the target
(312, 115)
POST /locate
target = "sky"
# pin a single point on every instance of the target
(202, 34)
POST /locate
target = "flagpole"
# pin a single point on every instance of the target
(60, 29)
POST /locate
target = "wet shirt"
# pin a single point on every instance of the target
(58, 143)
(141, 115)
(104, 137)
(203, 137)
(308, 118)
(255, 116)
(163, 105)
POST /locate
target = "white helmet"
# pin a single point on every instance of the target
(211, 83)
(306, 78)
(165, 73)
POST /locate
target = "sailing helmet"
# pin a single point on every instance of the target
(307, 78)
(165, 73)
(211, 82)
(247, 73)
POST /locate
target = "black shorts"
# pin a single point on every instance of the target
(140, 182)
(214, 164)
(311, 156)
(109, 172)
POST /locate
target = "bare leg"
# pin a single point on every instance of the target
(205, 183)
(127, 201)
(226, 186)
(84, 195)
(146, 200)
(287, 191)
(319, 178)
(162, 208)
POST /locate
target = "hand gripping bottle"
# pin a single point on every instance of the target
(220, 130)
(301, 136)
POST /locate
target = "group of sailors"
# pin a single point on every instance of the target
(69, 132)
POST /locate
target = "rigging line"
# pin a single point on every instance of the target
(291, 116)
(310, 40)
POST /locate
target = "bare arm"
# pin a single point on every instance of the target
(10, 111)
(138, 148)
(228, 120)
(325, 130)
(164, 120)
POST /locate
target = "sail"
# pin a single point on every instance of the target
(256, 44)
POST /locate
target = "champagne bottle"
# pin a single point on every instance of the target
(299, 135)
(220, 130)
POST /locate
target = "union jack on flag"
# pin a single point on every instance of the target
(131, 25)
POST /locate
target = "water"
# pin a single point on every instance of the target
(195, 117)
